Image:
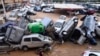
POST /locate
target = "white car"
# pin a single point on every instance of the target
(58, 25)
(12, 18)
(22, 12)
(30, 9)
(13, 13)
(91, 53)
(34, 40)
(48, 10)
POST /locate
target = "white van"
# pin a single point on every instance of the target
(34, 40)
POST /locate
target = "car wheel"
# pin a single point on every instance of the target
(16, 48)
(25, 48)
(47, 47)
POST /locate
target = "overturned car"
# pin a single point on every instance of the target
(68, 29)
(86, 30)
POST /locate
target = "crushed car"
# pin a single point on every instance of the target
(68, 29)
(87, 29)
(59, 24)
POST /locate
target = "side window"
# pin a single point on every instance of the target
(35, 39)
(27, 39)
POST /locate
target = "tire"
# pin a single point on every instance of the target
(16, 48)
(25, 48)
(46, 47)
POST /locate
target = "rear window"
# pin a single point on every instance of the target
(27, 39)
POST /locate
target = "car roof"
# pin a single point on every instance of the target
(31, 35)
(45, 21)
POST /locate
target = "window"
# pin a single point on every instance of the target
(58, 24)
(27, 39)
(35, 39)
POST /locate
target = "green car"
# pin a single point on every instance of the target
(36, 27)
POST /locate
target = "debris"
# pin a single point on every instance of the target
(36, 27)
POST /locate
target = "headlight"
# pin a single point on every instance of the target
(75, 21)
(64, 33)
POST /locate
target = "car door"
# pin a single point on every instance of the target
(27, 42)
(36, 42)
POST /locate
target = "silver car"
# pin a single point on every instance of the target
(67, 30)
(58, 25)
(34, 40)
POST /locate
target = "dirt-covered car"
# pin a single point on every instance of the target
(14, 12)
(58, 25)
(34, 40)
(89, 27)
(68, 29)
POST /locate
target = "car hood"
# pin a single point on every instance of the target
(48, 39)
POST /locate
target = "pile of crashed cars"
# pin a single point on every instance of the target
(27, 33)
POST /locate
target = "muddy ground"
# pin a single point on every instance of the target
(66, 49)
